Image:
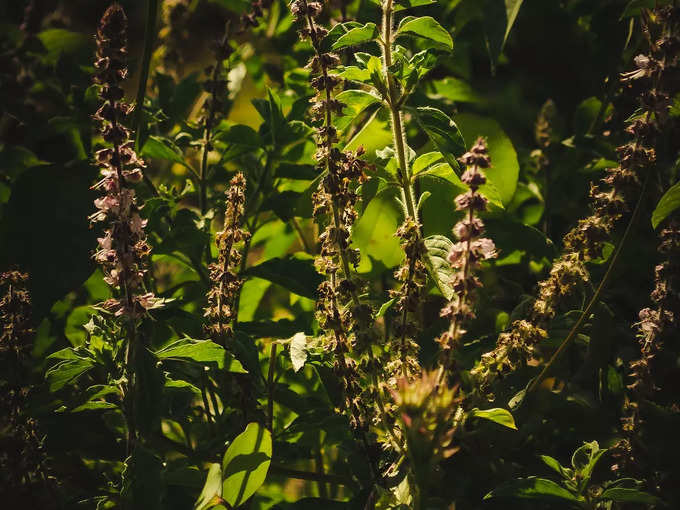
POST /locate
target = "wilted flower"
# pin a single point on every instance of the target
(226, 283)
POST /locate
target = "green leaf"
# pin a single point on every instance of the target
(201, 351)
(45, 230)
(634, 7)
(456, 90)
(534, 488)
(356, 101)
(555, 465)
(440, 269)
(298, 351)
(66, 372)
(374, 135)
(295, 273)
(58, 41)
(669, 202)
(211, 494)
(428, 28)
(373, 233)
(504, 170)
(585, 459)
(499, 18)
(356, 36)
(512, 9)
(385, 307)
(158, 147)
(246, 464)
(497, 415)
(443, 132)
(624, 495)
(400, 5)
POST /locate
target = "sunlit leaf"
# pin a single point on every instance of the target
(246, 463)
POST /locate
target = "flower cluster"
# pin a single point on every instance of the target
(342, 316)
(655, 77)
(123, 250)
(471, 249)
(428, 414)
(658, 324)
(257, 7)
(412, 277)
(23, 460)
(226, 283)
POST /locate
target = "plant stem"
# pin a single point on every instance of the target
(149, 39)
(594, 299)
(270, 385)
(396, 115)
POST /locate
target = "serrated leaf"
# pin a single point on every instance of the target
(201, 351)
(669, 202)
(443, 132)
(497, 415)
(298, 351)
(356, 36)
(534, 488)
(356, 101)
(66, 372)
(246, 463)
(428, 28)
(438, 266)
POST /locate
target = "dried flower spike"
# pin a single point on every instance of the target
(226, 284)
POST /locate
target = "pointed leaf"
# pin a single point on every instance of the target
(294, 272)
(212, 490)
(428, 28)
(534, 488)
(201, 351)
(438, 266)
(623, 495)
(246, 464)
(356, 36)
(497, 415)
(669, 202)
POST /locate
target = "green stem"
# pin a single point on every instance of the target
(270, 385)
(593, 300)
(149, 39)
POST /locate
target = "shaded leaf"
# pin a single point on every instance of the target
(201, 351)
(211, 494)
(295, 273)
(623, 495)
(246, 463)
(534, 488)
(669, 202)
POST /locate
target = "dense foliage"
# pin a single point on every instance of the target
(361, 254)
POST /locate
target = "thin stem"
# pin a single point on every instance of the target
(270, 385)
(311, 476)
(149, 39)
(593, 300)
(301, 235)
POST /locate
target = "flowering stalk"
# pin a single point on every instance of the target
(412, 274)
(123, 250)
(338, 308)
(215, 85)
(465, 256)
(610, 201)
(174, 34)
(226, 284)
(23, 465)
